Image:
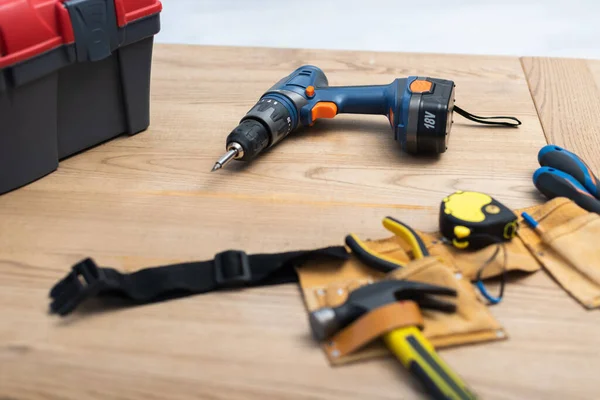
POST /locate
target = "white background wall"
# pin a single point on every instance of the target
(511, 27)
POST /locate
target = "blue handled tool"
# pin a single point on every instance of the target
(554, 183)
(563, 160)
(419, 110)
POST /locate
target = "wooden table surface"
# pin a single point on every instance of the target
(150, 199)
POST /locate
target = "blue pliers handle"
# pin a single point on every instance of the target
(564, 174)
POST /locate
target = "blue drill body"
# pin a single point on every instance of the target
(417, 108)
(390, 100)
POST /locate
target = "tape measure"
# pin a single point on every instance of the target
(472, 220)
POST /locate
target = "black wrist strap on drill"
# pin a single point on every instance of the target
(229, 269)
(488, 120)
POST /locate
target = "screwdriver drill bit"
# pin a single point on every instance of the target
(234, 150)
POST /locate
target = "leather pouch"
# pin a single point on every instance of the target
(518, 257)
(569, 247)
(328, 284)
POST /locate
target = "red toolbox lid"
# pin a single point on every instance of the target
(31, 27)
(130, 10)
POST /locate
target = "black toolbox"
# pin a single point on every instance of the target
(73, 73)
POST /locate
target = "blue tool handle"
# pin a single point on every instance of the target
(554, 183)
(374, 99)
(563, 160)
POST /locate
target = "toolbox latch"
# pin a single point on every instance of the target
(95, 27)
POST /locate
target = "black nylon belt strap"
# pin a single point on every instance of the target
(229, 269)
(488, 120)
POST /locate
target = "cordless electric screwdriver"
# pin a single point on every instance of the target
(419, 110)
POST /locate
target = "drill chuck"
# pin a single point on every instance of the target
(251, 136)
(269, 121)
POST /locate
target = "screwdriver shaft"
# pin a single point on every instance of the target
(225, 159)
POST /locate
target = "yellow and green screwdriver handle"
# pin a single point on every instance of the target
(408, 344)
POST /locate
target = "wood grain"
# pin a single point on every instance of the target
(149, 199)
(567, 96)
(594, 66)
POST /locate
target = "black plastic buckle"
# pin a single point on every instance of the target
(232, 269)
(85, 280)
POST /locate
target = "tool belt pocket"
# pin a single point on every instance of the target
(568, 247)
(325, 285)
(518, 257)
(472, 321)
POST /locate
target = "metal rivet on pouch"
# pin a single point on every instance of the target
(500, 334)
(335, 353)
(340, 291)
(320, 292)
(458, 275)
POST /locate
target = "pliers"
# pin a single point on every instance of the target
(565, 174)
(379, 261)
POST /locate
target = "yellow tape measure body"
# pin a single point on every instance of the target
(475, 220)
